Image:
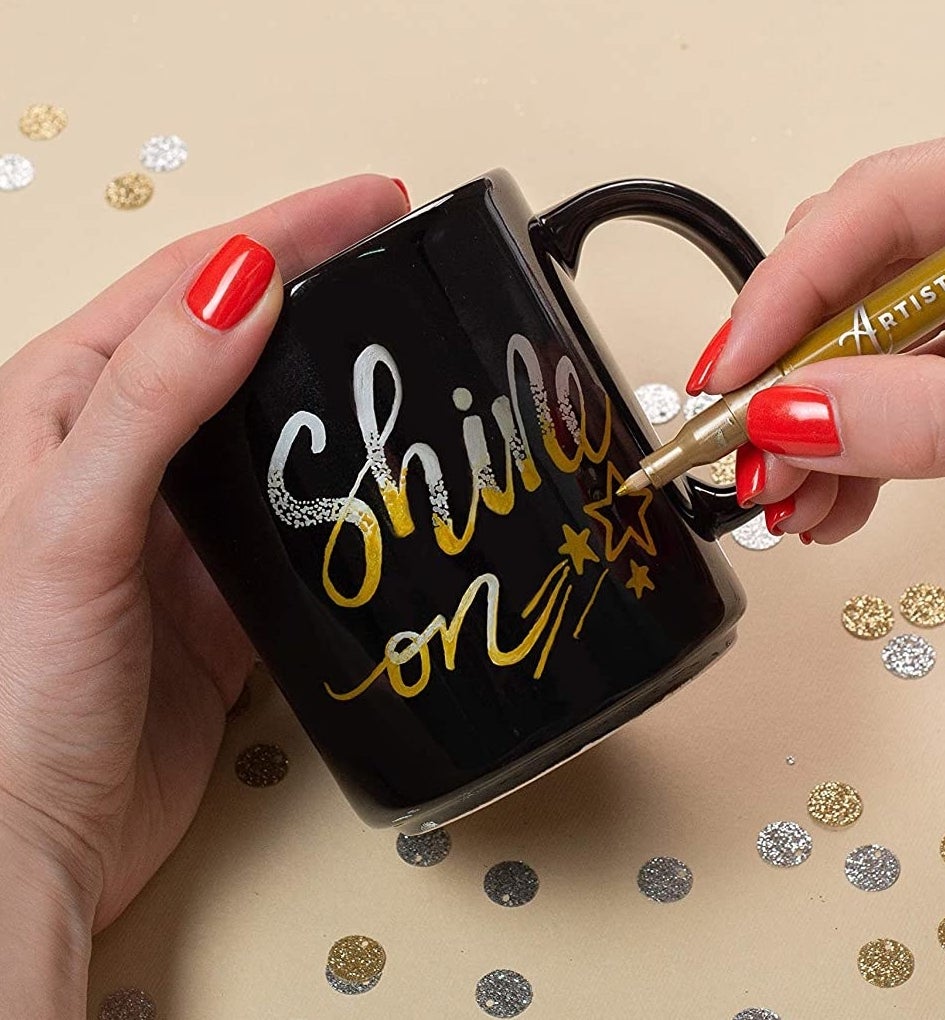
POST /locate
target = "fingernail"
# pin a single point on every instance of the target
(806, 537)
(794, 421)
(231, 283)
(777, 513)
(708, 358)
(403, 187)
(749, 473)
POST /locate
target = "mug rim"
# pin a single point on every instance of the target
(488, 178)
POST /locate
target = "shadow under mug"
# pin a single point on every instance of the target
(410, 505)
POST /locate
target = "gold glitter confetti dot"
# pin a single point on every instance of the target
(941, 933)
(923, 605)
(262, 765)
(128, 1004)
(129, 191)
(356, 959)
(834, 804)
(867, 616)
(42, 121)
(941, 848)
(723, 471)
(885, 963)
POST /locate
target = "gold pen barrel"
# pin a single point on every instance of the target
(891, 319)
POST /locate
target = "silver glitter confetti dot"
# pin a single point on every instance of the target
(664, 879)
(128, 1004)
(660, 402)
(16, 172)
(696, 405)
(872, 868)
(510, 883)
(784, 844)
(908, 656)
(755, 535)
(163, 152)
(503, 993)
(756, 1014)
(790, 760)
(425, 850)
(350, 987)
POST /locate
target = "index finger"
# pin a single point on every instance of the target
(301, 231)
(884, 209)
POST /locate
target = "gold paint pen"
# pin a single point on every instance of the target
(892, 319)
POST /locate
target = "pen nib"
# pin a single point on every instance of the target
(637, 481)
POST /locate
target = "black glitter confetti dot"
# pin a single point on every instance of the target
(425, 850)
(510, 884)
(128, 1004)
(503, 993)
(262, 765)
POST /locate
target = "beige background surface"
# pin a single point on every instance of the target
(755, 104)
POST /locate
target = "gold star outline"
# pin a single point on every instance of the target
(639, 579)
(640, 535)
(576, 546)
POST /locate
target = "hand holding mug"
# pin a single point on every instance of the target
(118, 657)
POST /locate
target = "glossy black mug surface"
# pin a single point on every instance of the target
(411, 504)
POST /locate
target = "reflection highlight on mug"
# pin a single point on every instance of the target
(551, 598)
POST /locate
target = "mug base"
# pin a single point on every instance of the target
(475, 796)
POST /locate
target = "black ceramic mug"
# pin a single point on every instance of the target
(410, 505)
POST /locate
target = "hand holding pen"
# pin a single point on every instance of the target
(823, 440)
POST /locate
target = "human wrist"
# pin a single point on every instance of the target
(46, 917)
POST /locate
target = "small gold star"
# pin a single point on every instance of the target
(575, 545)
(639, 579)
(642, 537)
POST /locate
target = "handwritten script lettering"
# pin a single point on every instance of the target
(491, 487)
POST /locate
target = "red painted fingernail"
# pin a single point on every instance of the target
(806, 537)
(777, 513)
(708, 358)
(749, 473)
(794, 421)
(231, 283)
(403, 187)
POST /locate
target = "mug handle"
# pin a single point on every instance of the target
(712, 510)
